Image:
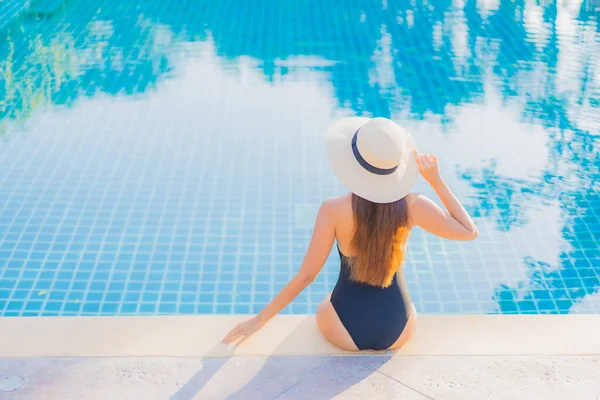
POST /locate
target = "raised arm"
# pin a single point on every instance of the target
(316, 255)
(456, 223)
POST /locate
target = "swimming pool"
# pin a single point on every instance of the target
(161, 159)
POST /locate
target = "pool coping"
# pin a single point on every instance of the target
(200, 335)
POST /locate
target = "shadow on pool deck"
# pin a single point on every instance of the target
(282, 376)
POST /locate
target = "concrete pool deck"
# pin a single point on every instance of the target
(180, 357)
(307, 377)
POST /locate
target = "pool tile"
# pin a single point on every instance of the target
(128, 200)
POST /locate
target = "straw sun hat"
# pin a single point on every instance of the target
(372, 158)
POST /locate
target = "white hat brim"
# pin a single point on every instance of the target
(370, 186)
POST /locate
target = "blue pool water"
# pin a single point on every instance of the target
(159, 158)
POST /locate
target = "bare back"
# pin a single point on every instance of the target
(343, 219)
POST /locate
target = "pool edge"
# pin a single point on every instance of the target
(200, 335)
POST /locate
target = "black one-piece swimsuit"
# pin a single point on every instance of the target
(373, 316)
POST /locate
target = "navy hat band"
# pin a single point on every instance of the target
(363, 163)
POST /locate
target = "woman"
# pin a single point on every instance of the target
(370, 307)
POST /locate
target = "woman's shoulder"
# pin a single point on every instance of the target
(412, 201)
(411, 198)
(338, 202)
(337, 205)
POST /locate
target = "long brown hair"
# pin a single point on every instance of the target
(380, 233)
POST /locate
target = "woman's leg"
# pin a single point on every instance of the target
(332, 328)
(408, 330)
